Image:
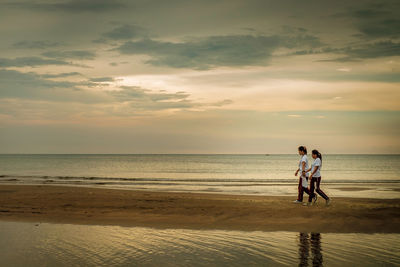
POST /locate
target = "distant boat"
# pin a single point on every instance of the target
(266, 154)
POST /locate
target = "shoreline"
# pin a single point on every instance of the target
(98, 206)
(390, 191)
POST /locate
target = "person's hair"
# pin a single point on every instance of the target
(316, 152)
(303, 148)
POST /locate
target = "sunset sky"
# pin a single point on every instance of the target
(233, 76)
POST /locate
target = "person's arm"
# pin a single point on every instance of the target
(314, 171)
(311, 174)
(295, 174)
(303, 168)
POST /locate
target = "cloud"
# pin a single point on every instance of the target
(70, 6)
(301, 40)
(32, 86)
(125, 32)
(143, 99)
(102, 79)
(35, 44)
(374, 50)
(207, 53)
(369, 13)
(215, 51)
(334, 76)
(74, 54)
(30, 61)
(294, 115)
(389, 27)
(146, 100)
(367, 50)
(222, 103)
(378, 25)
(344, 69)
(61, 75)
(376, 20)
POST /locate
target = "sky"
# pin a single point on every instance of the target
(221, 76)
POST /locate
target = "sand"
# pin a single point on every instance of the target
(82, 205)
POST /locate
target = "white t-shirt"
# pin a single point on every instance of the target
(303, 178)
(317, 163)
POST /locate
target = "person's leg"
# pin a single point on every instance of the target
(305, 189)
(319, 191)
(312, 187)
(300, 190)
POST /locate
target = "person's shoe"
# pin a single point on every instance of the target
(307, 204)
(315, 198)
(297, 202)
(328, 202)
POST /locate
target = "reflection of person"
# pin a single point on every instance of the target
(304, 247)
(316, 249)
(303, 166)
(315, 178)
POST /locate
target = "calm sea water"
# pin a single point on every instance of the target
(343, 175)
(29, 244)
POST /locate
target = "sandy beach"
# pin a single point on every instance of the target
(81, 205)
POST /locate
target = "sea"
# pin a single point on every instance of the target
(372, 176)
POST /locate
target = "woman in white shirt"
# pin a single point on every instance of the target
(303, 166)
(315, 177)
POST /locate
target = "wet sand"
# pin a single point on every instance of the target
(353, 188)
(80, 205)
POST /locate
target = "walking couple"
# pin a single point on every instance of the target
(307, 183)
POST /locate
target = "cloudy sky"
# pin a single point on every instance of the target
(188, 76)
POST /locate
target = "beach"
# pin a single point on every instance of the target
(95, 206)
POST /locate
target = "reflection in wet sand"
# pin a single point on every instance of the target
(304, 249)
(31, 244)
(316, 249)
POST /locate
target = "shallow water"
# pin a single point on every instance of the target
(342, 175)
(30, 244)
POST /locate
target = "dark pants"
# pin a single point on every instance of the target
(317, 181)
(301, 190)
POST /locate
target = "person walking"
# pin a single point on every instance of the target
(303, 166)
(315, 179)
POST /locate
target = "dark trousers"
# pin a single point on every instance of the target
(315, 183)
(301, 191)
